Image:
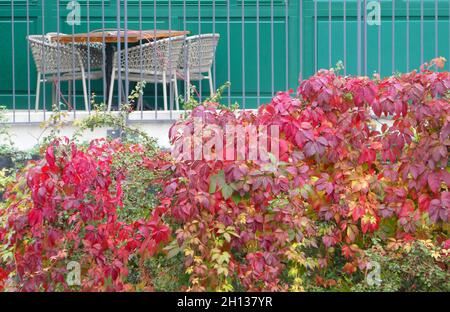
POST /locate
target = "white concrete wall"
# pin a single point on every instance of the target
(26, 129)
(26, 136)
(27, 132)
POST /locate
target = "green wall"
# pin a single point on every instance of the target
(286, 71)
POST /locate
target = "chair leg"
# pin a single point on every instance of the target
(111, 89)
(165, 90)
(211, 87)
(69, 94)
(140, 103)
(124, 96)
(177, 100)
(188, 86)
(86, 103)
(53, 95)
(58, 94)
(38, 91)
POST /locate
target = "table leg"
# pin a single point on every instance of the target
(109, 53)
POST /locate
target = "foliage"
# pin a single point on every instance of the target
(6, 142)
(192, 102)
(340, 195)
(167, 274)
(113, 182)
(5, 179)
(336, 185)
(54, 124)
(66, 208)
(410, 266)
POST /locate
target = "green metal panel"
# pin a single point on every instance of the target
(400, 35)
(202, 21)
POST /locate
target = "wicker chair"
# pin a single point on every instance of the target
(198, 57)
(56, 61)
(153, 62)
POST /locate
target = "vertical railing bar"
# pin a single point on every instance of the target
(58, 86)
(28, 61)
(407, 36)
(329, 34)
(141, 96)
(125, 21)
(436, 28)
(358, 34)
(199, 25)
(243, 54)
(186, 56)
(88, 22)
(170, 60)
(365, 37)
(13, 61)
(393, 36)
(74, 104)
(301, 41)
(272, 48)
(228, 51)
(119, 55)
(421, 32)
(379, 41)
(258, 69)
(315, 36)
(104, 53)
(154, 57)
(43, 87)
(345, 36)
(286, 13)
(214, 31)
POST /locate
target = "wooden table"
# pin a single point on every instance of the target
(107, 36)
(111, 39)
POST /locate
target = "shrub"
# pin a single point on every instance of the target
(418, 265)
(66, 208)
(268, 225)
(339, 196)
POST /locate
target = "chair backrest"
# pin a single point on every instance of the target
(53, 57)
(199, 52)
(154, 57)
(91, 54)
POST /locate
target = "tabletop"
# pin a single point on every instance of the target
(108, 36)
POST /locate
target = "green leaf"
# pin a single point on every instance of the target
(236, 198)
(173, 252)
(272, 158)
(217, 180)
(227, 191)
(221, 178)
(172, 249)
(212, 184)
(291, 234)
(224, 258)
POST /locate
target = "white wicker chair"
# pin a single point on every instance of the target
(60, 61)
(197, 59)
(153, 62)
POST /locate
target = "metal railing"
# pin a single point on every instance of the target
(265, 46)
